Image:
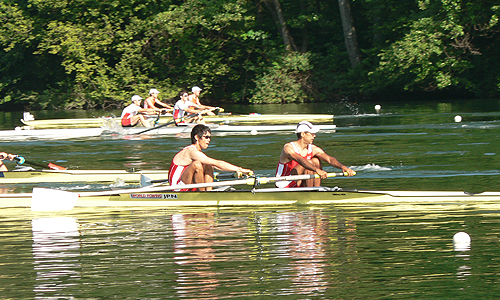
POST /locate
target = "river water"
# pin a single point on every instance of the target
(314, 252)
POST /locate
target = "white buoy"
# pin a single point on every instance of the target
(377, 108)
(458, 119)
(461, 241)
(253, 132)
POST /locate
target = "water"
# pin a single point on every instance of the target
(316, 252)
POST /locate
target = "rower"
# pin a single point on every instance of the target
(131, 115)
(183, 105)
(152, 101)
(4, 155)
(195, 98)
(302, 157)
(191, 165)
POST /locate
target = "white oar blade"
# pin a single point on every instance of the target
(52, 200)
(145, 180)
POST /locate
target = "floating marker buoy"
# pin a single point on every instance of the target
(377, 108)
(253, 132)
(461, 241)
(458, 119)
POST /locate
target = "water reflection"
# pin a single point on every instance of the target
(55, 252)
(462, 245)
(293, 247)
(307, 252)
(308, 235)
(194, 243)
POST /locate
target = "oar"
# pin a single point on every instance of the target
(43, 199)
(157, 118)
(21, 160)
(175, 121)
(168, 123)
(146, 181)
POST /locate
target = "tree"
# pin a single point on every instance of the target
(287, 81)
(438, 51)
(274, 7)
(350, 38)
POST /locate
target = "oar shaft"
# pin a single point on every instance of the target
(169, 123)
(22, 160)
(247, 181)
(166, 188)
(265, 180)
(217, 176)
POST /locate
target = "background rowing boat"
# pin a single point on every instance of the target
(219, 119)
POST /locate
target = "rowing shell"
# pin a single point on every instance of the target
(226, 119)
(267, 118)
(70, 133)
(36, 176)
(263, 197)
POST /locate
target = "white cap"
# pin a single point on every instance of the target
(154, 91)
(136, 97)
(306, 126)
(196, 89)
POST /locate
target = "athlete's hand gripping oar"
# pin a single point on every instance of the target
(216, 110)
(21, 160)
(49, 199)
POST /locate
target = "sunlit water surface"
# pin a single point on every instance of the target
(312, 252)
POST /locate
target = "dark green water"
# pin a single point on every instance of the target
(324, 252)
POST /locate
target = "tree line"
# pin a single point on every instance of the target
(96, 54)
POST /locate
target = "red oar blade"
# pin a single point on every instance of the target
(21, 160)
(55, 167)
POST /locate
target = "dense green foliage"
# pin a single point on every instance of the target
(96, 54)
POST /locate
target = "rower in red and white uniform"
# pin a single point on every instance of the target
(183, 106)
(303, 157)
(175, 173)
(152, 101)
(132, 114)
(191, 165)
(195, 98)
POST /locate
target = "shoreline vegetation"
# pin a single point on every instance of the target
(95, 55)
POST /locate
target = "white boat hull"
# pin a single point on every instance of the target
(71, 133)
(220, 119)
(261, 197)
(37, 176)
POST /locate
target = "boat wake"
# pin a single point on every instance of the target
(370, 168)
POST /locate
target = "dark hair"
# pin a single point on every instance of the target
(183, 92)
(199, 130)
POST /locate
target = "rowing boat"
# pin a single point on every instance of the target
(261, 197)
(225, 193)
(69, 133)
(218, 129)
(48, 134)
(268, 118)
(36, 176)
(31, 123)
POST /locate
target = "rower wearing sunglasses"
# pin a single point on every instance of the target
(191, 165)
